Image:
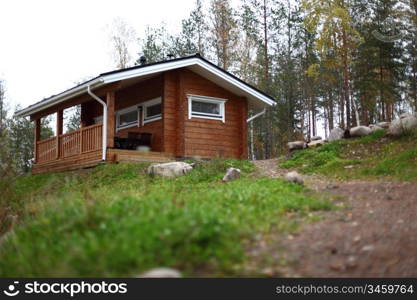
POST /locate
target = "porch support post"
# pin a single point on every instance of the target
(37, 137)
(59, 122)
(111, 128)
(59, 129)
(83, 115)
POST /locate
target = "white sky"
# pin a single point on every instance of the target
(46, 46)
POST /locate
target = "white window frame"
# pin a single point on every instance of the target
(124, 111)
(220, 101)
(148, 103)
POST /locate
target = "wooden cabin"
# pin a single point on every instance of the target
(179, 108)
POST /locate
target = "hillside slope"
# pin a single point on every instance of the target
(372, 157)
(356, 214)
(115, 220)
(372, 182)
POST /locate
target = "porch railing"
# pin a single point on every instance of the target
(77, 142)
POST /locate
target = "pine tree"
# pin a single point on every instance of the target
(191, 39)
(155, 46)
(336, 43)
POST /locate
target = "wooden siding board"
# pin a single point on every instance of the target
(211, 138)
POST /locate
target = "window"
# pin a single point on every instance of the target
(206, 107)
(152, 110)
(127, 117)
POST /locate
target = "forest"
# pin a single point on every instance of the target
(328, 63)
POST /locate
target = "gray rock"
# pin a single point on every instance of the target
(297, 145)
(360, 131)
(336, 134)
(384, 125)
(171, 169)
(368, 248)
(316, 138)
(399, 126)
(294, 177)
(161, 273)
(316, 143)
(405, 115)
(375, 128)
(231, 174)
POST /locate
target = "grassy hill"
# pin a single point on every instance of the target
(372, 157)
(115, 220)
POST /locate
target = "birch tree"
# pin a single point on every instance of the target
(122, 38)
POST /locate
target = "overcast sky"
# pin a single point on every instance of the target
(48, 45)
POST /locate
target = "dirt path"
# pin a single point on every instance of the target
(374, 234)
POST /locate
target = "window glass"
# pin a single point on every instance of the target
(206, 107)
(128, 118)
(153, 111)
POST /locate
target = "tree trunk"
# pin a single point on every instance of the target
(346, 80)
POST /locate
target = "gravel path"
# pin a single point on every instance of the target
(374, 234)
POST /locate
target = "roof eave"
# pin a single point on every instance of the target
(107, 78)
(54, 100)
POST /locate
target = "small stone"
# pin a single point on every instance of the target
(332, 187)
(336, 267)
(297, 145)
(351, 262)
(231, 174)
(357, 239)
(375, 128)
(268, 271)
(367, 248)
(171, 169)
(360, 131)
(317, 143)
(316, 138)
(294, 177)
(348, 167)
(354, 224)
(336, 134)
(384, 125)
(161, 273)
(405, 115)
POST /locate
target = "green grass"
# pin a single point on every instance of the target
(115, 220)
(373, 156)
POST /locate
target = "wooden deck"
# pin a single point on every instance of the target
(93, 159)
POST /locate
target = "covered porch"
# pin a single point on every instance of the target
(84, 147)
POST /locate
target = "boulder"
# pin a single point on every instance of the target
(336, 134)
(360, 131)
(161, 273)
(315, 143)
(294, 177)
(399, 126)
(375, 128)
(297, 145)
(316, 138)
(405, 115)
(171, 169)
(384, 125)
(231, 174)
